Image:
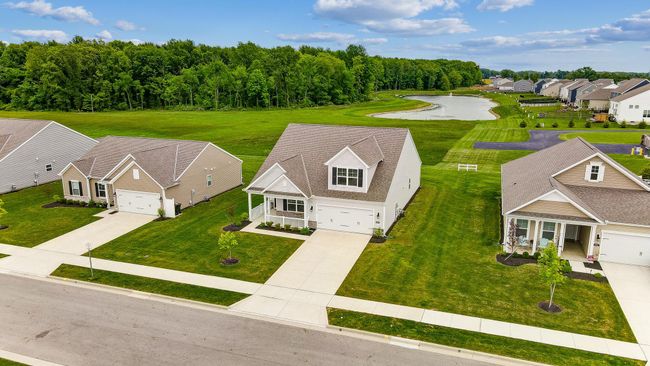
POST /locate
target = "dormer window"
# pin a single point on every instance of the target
(595, 172)
(347, 177)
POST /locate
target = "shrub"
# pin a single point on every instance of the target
(598, 275)
(68, 201)
(645, 174)
(304, 230)
(538, 125)
(161, 212)
(269, 223)
(605, 124)
(588, 124)
(378, 232)
(81, 203)
(566, 266)
(555, 125)
(525, 255)
(571, 123)
(92, 203)
(523, 124)
(622, 124)
(295, 229)
(244, 216)
(287, 227)
(643, 125)
(262, 224)
(536, 255)
(56, 198)
(278, 226)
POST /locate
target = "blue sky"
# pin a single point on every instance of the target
(516, 34)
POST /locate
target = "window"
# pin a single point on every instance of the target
(208, 180)
(100, 189)
(636, 106)
(522, 228)
(548, 230)
(294, 205)
(48, 167)
(593, 175)
(631, 106)
(136, 174)
(646, 113)
(347, 177)
(75, 188)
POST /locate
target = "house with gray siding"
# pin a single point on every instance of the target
(523, 86)
(33, 152)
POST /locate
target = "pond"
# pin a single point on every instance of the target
(446, 107)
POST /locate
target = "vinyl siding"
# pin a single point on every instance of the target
(74, 174)
(226, 174)
(144, 184)
(612, 178)
(109, 192)
(554, 208)
(54, 145)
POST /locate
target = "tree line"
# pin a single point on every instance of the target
(91, 75)
(581, 73)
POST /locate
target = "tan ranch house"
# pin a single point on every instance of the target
(576, 196)
(142, 175)
(344, 178)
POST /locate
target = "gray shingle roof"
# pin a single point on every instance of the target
(632, 93)
(14, 132)
(316, 144)
(599, 94)
(163, 159)
(525, 179)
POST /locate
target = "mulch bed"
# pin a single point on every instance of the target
(162, 218)
(514, 262)
(553, 309)
(311, 231)
(233, 227)
(2, 227)
(586, 277)
(593, 265)
(58, 204)
(229, 261)
(378, 239)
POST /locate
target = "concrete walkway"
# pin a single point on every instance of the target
(631, 285)
(541, 139)
(303, 286)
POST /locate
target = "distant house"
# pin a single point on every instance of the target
(568, 92)
(631, 107)
(143, 175)
(523, 86)
(574, 195)
(343, 178)
(498, 81)
(580, 92)
(628, 85)
(598, 100)
(553, 89)
(32, 152)
(507, 86)
(539, 85)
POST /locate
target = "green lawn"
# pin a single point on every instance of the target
(618, 137)
(5, 362)
(168, 288)
(30, 224)
(503, 346)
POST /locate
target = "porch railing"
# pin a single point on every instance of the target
(283, 220)
(257, 211)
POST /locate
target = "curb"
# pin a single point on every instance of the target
(11, 356)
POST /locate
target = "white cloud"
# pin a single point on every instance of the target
(41, 35)
(317, 37)
(135, 41)
(42, 8)
(646, 48)
(503, 5)
(104, 35)
(501, 43)
(373, 40)
(394, 17)
(125, 25)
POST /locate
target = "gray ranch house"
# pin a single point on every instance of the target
(344, 178)
(32, 152)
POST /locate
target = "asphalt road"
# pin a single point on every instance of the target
(78, 326)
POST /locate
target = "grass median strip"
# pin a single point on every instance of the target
(145, 284)
(5, 362)
(498, 345)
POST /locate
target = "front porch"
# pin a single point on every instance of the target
(280, 209)
(574, 238)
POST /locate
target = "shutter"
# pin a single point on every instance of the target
(96, 189)
(81, 190)
(588, 172)
(284, 205)
(360, 180)
(334, 176)
(601, 173)
(70, 187)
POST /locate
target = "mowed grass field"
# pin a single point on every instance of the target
(441, 255)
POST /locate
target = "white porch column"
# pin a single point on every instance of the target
(560, 245)
(592, 240)
(506, 227)
(266, 209)
(250, 207)
(305, 213)
(536, 233)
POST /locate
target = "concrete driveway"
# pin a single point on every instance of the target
(631, 285)
(97, 233)
(303, 286)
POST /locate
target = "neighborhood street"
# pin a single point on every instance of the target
(76, 326)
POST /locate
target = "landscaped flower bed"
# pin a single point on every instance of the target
(270, 225)
(62, 202)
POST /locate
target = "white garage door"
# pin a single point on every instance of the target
(138, 202)
(625, 248)
(345, 219)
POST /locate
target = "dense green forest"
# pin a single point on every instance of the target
(90, 75)
(581, 73)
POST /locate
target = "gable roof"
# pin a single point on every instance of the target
(303, 149)
(525, 180)
(602, 93)
(15, 132)
(163, 159)
(631, 93)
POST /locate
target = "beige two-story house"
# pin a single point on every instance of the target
(143, 175)
(581, 199)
